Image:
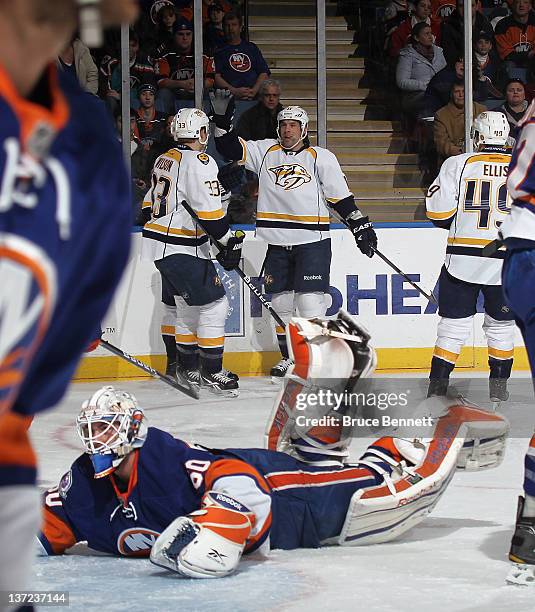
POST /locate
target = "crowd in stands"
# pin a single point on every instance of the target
(424, 48)
(162, 70)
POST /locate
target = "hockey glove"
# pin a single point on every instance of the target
(207, 543)
(230, 255)
(222, 108)
(231, 176)
(362, 229)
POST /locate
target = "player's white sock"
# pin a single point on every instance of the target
(529, 506)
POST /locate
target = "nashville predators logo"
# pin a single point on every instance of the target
(290, 176)
(268, 279)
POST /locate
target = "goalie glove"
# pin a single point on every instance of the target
(362, 229)
(222, 109)
(230, 254)
(207, 543)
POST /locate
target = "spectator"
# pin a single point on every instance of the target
(438, 91)
(448, 127)
(150, 123)
(452, 32)
(141, 71)
(260, 121)
(515, 39)
(239, 66)
(187, 12)
(418, 63)
(396, 11)
(401, 35)
(515, 105)
(214, 35)
(441, 9)
(176, 70)
(166, 18)
(76, 60)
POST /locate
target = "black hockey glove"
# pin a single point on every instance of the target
(362, 229)
(231, 176)
(222, 108)
(230, 255)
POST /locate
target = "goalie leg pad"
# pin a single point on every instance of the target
(384, 512)
(207, 543)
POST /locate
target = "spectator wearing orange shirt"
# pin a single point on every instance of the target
(515, 39)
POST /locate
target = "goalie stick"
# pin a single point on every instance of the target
(146, 368)
(246, 279)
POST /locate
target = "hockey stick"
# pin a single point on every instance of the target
(154, 373)
(246, 279)
(491, 248)
(430, 297)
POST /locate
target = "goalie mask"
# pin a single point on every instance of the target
(110, 425)
(490, 128)
(188, 124)
(293, 113)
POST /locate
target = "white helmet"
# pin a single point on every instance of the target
(110, 426)
(188, 123)
(490, 128)
(294, 113)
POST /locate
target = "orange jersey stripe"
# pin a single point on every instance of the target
(59, 535)
(233, 467)
(287, 480)
(15, 445)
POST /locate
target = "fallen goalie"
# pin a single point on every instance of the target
(138, 491)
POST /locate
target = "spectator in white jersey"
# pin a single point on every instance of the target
(298, 185)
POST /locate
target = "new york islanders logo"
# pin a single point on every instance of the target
(136, 542)
(240, 62)
(290, 176)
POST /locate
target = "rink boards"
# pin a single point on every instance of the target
(401, 321)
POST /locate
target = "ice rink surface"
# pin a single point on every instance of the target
(455, 560)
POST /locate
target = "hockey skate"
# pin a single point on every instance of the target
(189, 378)
(278, 371)
(220, 383)
(522, 552)
(230, 374)
(170, 370)
(498, 392)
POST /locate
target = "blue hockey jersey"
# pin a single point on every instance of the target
(65, 223)
(306, 505)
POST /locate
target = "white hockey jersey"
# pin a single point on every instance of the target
(471, 190)
(294, 189)
(181, 174)
(521, 183)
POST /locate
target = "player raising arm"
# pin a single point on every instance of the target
(138, 491)
(64, 238)
(469, 197)
(298, 187)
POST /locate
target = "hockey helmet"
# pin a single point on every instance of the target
(293, 113)
(490, 128)
(110, 425)
(188, 123)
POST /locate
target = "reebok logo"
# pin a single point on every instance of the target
(312, 277)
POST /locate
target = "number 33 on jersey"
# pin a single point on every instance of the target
(469, 197)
